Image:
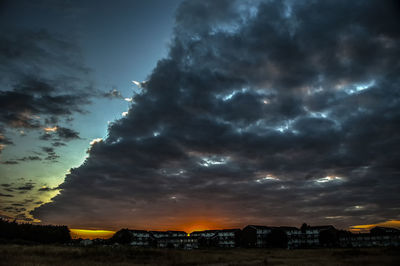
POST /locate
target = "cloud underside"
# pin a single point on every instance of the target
(43, 83)
(263, 112)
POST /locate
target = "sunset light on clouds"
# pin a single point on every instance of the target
(200, 114)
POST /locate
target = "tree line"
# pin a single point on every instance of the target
(27, 232)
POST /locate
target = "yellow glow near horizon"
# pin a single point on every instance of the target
(196, 228)
(199, 226)
(366, 227)
(191, 227)
(91, 234)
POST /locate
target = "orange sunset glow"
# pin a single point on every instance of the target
(366, 227)
(188, 227)
(200, 124)
(199, 226)
(207, 225)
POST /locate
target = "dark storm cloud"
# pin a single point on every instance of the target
(32, 94)
(27, 52)
(264, 112)
(30, 99)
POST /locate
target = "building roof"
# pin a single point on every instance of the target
(195, 233)
(176, 238)
(260, 226)
(138, 231)
(322, 227)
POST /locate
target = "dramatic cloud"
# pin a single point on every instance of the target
(24, 105)
(273, 112)
(43, 80)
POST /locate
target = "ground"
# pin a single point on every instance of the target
(66, 255)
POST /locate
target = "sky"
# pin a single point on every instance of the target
(200, 114)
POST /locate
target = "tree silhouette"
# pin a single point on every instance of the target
(304, 227)
(123, 236)
(46, 234)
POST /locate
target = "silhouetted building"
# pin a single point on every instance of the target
(293, 236)
(259, 237)
(205, 233)
(159, 234)
(185, 242)
(177, 233)
(290, 237)
(378, 237)
(311, 238)
(206, 238)
(229, 238)
(140, 238)
(172, 239)
(379, 230)
(256, 236)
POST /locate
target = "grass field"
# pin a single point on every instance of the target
(64, 255)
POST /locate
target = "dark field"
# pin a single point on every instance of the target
(64, 255)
